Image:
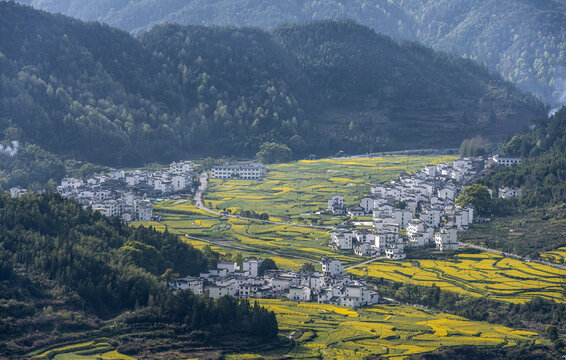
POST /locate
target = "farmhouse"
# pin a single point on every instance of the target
(336, 205)
(17, 192)
(506, 160)
(195, 285)
(446, 239)
(342, 239)
(331, 267)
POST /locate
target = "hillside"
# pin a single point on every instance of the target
(533, 223)
(543, 171)
(89, 91)
(68, 274)
(522, 40)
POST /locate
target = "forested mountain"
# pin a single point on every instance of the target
(64, 271)
(96, 93)
(522, 40)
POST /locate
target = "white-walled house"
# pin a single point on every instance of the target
(461, 220)
(195, 285)
(508, 192)
(182, 167)
(243, 171)
(18, 191)
(368, 203)
(280, 283)
(342, 240)
(217, 291)
(117, 174)
(179, 182)
(299, 293)
(332, 267)
(364, 249)
(230, 266)
(364, 236)
(336, 205)
(507, 160)
(446, 193)
(446, 239)
(143, 210)
(402, 217)
(432, 216)
(356, 211)
(418, 233)
(251, 266)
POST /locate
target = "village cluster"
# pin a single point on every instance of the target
(415, 210)
(329, 287)
(127, 195)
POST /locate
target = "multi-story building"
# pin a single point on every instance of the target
(243, 171)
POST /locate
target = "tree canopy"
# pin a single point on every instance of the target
(477, 196)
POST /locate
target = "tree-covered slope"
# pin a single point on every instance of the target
(523, 40)
(542, 175)
(397, 93)
(68, 273)
(93, 92)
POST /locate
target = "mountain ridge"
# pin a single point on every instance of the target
(90, 91)
(498, 33)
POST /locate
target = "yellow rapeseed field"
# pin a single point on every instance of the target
(392, 331)
(490, 275)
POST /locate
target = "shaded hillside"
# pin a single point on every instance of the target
(64, 271)
(93, 92)
(522, 40)
(542, 175)
(398, 93)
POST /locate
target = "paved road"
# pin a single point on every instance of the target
(513, 255)
(199, 203)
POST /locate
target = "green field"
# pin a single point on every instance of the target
(486, 274)
(289, 192)
(393, 331)
(529, 234)
(298, 189)
(252, 238)
(294, 191)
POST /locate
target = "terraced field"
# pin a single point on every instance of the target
(289, 192)
(557, 256)
(392, 331)
(90, 350)
(298, 189)
(250, 237)
(484, 274)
